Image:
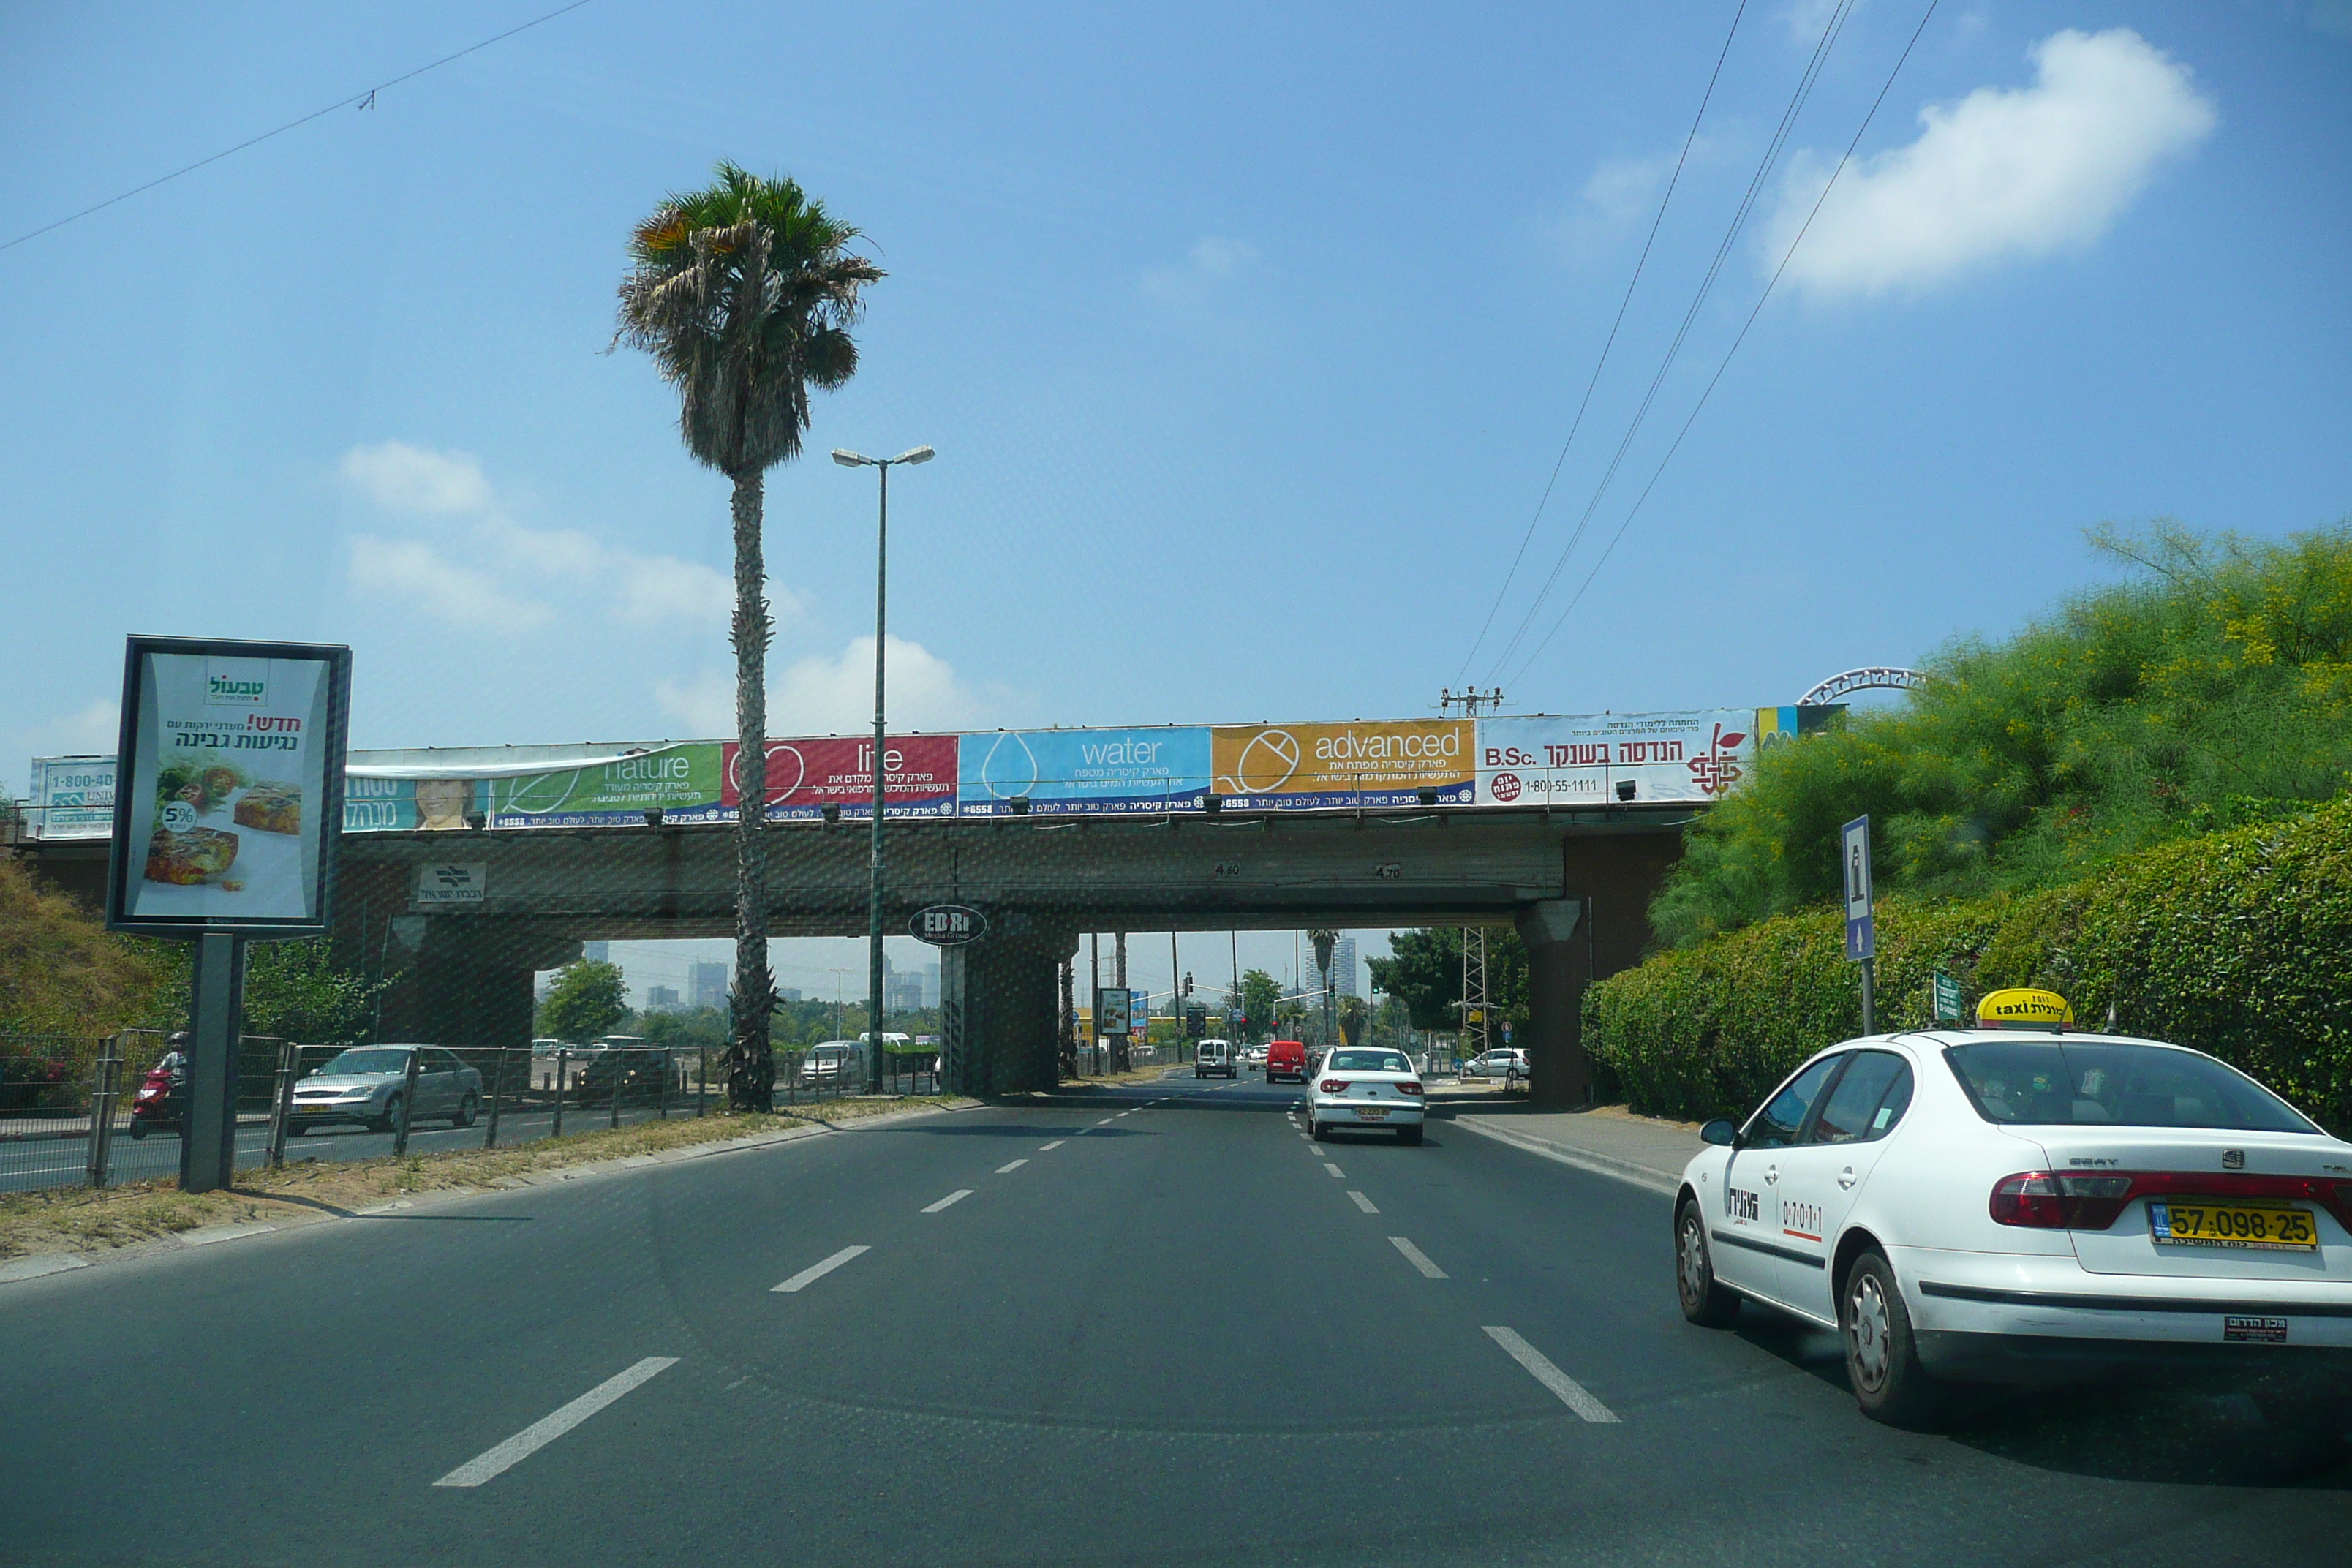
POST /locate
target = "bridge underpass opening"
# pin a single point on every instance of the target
(458, 924)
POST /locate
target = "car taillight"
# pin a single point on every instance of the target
(2049, 1200)
(1334, 1086)
(1412, 1088)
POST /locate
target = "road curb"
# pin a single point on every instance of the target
(1608, 1165)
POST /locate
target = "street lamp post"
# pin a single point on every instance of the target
(849, 460)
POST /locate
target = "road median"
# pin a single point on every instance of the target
(77, 1224)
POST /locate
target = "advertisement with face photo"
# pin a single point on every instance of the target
(918, 776)
(1382, 762)
(236, 765)
(1596, 759)
(410, 805)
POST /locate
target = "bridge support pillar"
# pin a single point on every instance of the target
(464, 986)
(1001, 1007)
(1558, 968)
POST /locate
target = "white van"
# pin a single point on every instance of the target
(1213, 1058)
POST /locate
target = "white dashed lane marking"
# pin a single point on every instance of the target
(1417, 1258)
(956, 1197)
(1363, 1202)
(1054, 1144)
(816, 1271)
(1334, 1170)
(1003, 1169)
(548, 1428)
(1572, 1393)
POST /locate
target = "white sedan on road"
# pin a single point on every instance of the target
(1987, 1204)
(1359, 1086)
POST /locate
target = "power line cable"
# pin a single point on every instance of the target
(1719, 369)
(365, 98)
(1756, 182)
(1576, 424)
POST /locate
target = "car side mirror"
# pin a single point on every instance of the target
(1719, 1131)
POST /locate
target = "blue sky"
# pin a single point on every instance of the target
(1248, 336)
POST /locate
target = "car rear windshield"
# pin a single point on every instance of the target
(375, 1059)
(1368, 1061)
(2104, 1084)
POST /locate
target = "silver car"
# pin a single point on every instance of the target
(832, 1062)
(364, 1085)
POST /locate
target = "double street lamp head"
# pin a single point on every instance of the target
(849, 460)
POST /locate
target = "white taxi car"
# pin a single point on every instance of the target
(2011, 1204)
(1364, 1086)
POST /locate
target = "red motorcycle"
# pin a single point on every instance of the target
(161, 1103)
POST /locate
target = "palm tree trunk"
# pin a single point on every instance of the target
(750, 1066)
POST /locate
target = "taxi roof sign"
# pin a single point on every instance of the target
(2023, 1007)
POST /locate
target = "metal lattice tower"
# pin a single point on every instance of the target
(1474, 991)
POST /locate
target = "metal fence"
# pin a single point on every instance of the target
(96, 1110)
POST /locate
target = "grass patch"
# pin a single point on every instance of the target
(76, 1219)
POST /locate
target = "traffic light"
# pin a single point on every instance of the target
(1188, 983)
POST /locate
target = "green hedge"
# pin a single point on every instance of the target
(2238, 943)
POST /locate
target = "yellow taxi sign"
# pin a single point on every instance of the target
(2023, 1006)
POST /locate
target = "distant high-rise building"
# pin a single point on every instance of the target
(661, 999)
(930, 985)
(1343, 966)
(596, 951)
(902, 993)
(706, 985)
(789, 993)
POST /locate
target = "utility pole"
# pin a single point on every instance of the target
(1473, 990)
(1093, 997)
(1119, 1060)
(1176, 1048)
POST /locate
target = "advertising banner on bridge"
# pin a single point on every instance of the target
(680, 781)
(1090, 770)
(1591, 759)
(1376, 762)
(407, 805)
(72, 797)
(918, 776)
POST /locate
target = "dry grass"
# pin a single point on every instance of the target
(79, 1220)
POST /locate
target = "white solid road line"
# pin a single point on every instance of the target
(956, 1197)
(1363, 1202)
(1417, 1258)
(548, 1428)
(1572, 1393)
(1003, 1170)
(1334, 1170)
(1054, 1144)
(816, 1271)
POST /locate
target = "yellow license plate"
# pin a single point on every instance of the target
(2271, 1228)
(1371, 1113)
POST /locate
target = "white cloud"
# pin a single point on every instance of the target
(416, 572)
(401, 478)
(1806, 18)
(829, 695)
(2005, 171)
(506, 564)
(1210, 264)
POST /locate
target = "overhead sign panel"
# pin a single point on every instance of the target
(73, 797)
(1090, 771)
(1372, 764)
(1594, 759)
(234, 787)
(918, 776)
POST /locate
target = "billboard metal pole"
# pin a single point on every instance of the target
(874, 921)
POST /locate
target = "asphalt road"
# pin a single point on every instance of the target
(1147, 1324)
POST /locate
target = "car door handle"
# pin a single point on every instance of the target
(1771, 1173)
(1846, 1178)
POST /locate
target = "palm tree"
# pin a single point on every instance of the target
(744, 294)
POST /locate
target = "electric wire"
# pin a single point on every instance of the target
(1576, 424)
(1823, 47)
(1742, 337)
(360, 97)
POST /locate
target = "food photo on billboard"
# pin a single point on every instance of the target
(232, 786)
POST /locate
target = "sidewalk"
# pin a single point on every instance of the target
(1608, 1140)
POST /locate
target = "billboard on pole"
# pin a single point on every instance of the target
(73, 797)
(232, 786)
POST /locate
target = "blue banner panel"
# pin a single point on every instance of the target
(1060, 771)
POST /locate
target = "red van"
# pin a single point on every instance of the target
(1286, 1059)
